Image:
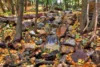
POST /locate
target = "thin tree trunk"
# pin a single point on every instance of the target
(36, 14)
(78, 3)
(96, 18)
(26, 5)
(47, 2)
(84, 13)
(12, 7)
(8, 2)
(19, 20)
(2, 7)
(86, 28)
(92, 21)
(65, 4)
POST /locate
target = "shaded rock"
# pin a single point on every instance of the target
(51, 56)
(63, 58)
(52, 39)
(53, 31)
(90, 52)
(29, 16)
(96, 57)
(40, 25)
(26, 24)
(79, 54)
(52, 46)
(51, 19)
(70, 42)
(38, 42)
(57, 20)
(2, 45)
(52, 43)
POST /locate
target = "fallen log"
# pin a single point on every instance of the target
(14, 18)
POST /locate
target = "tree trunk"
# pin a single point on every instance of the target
(78, 3)
(2, 6)
(36, 14)
(26, 4)
(65, 4)
(47, 5)
(92, 21)
(12, 7)
(84, 13)
(86, 27)
(96, 21)
(19, 20)
(96, 17)
(7, 4)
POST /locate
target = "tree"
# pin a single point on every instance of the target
(87, 15)
(19, 19)
(36, 14)
(12, 7)
(7, 4)
(84, 15)
(65, 4)
(95, 20)
(2, 6)
(26, 4)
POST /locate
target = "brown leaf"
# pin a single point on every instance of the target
(61, 30)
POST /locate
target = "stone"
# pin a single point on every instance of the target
(79, 54)
(53, 31)
(39, 41)
(40, 25)
(70, 42)
(52, 47)
(52, 39)
(63, 58)
(32, 32)
(96, 57)
(52, 43)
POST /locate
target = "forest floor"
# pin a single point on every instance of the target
(57, 42)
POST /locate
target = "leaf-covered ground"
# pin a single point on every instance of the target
(57, 42)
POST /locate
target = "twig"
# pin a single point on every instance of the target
(87, 16)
